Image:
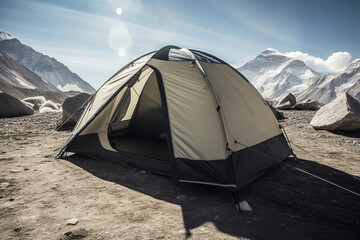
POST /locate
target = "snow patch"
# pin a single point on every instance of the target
(270, 51)
(21, 80)
(5, 36)
(69, 87)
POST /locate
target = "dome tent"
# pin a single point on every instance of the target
(183, 113)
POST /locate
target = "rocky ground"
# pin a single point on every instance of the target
(39, 194)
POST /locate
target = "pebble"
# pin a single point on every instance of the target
(15, 171)
(72, 221)
(245, 207)
(4, 184)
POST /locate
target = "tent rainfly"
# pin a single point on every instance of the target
(182, 113)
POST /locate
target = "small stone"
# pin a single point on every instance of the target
(15, 171)
(143, 171)
(48, 156)
(245, 207)
(4, 184)
(72, 221)
(161, 236)
(181, 197)
(67, 233)
(11, 199)
(17, 229)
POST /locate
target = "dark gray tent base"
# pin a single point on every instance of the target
(150, 148)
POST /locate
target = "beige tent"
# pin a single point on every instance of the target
(183, 113)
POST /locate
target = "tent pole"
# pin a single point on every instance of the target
(235, 199)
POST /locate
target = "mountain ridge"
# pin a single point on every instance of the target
(45, 66)
(328, 87)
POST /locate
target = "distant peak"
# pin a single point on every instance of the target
(270, 51)
(356, 61)
(5, 36)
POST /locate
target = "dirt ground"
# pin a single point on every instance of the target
(39, 194)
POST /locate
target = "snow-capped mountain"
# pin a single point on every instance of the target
(273, 74)
(329, 87)
(20, 82)
(46, 67)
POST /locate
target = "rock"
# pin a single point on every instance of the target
(72, 221)
(343, 113)
(45, 110)
(38, 99)
(29, 105)
(286, 102)
(36, 106)
(71, 105)
(308, 104)
(49, 104)
(245, 207)
(15, 171)
(278, 115)
(4, 184)
(12, 107)
(284, 106)
(181, 197)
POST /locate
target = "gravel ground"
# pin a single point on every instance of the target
(39, 195)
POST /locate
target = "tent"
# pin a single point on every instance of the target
(182, 113)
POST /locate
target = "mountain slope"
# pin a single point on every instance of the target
(328, 87)
(15, 74)
(19, 82)
(46, 67)
(273, 74)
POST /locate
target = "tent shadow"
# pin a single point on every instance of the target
(287, 204)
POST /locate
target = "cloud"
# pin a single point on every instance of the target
(336, 62)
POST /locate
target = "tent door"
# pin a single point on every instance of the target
(138, 124)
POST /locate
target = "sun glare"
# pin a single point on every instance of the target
(119, 11)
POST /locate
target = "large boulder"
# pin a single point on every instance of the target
(343, 113)
(286, 102)
(12, 107)
(71, 105)
(38, 99)
(307, 104)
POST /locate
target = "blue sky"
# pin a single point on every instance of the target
(94, 40)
